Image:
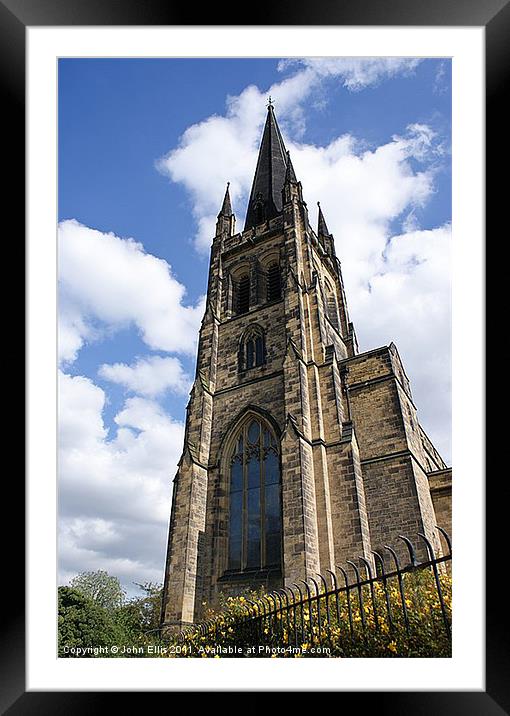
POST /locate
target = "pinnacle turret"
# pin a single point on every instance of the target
(290, 174)
(322, 229)
(226, 208)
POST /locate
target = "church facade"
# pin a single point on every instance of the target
(300, 452)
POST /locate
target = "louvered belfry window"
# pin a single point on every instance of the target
(255, 500)
(243, 294)
(274, 284)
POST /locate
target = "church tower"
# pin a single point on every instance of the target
(299, 451)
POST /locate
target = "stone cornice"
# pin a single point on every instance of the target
(252, 240)
(221, 391)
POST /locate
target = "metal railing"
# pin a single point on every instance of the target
(339, 610)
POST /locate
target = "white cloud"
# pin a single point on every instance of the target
(222, 149)
(364, 191)
(150, 376)
(409, 302)
(357, 73)
(114, 492)
(111, 283)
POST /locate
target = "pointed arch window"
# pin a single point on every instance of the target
(274, 283)
(255, 499)
(243, 294)
(252, 349)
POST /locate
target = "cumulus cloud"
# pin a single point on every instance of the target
(152, 376)
(224, 148)
(108, 283)
(363, 191)
(115, 486)
(114, 491)
(356, 73)
(409, 301)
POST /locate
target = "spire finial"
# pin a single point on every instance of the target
(270, 102)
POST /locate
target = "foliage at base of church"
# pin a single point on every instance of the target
(389, 630)
(412, 627)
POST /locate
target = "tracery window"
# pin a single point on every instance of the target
(255, 499)
(252, 350)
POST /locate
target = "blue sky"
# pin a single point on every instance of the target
(145, 150)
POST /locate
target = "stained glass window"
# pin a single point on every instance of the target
(255, 499)
(252, 352)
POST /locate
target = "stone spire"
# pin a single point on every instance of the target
(226, 219)
(324, 235)
(226, 208)
(322, 229)
(290, 174)
(266, 192)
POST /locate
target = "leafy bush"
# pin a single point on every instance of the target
(385, 626)
(381, 624)
(87, 628)
(84, 627)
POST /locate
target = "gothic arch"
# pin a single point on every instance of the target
(271, 271)
(252, 348)
(239, 269)
(240, 298)
(269, 257)
(250, 479)
(243, 415)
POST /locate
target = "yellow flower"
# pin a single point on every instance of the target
(392, 646)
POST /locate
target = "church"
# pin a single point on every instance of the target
(299, 452)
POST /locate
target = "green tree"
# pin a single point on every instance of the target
(139, 617)
(83, 623)
(101, 587)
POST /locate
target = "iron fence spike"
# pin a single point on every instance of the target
(410, 549)
(447, 538)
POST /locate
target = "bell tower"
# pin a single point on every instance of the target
(299, 452)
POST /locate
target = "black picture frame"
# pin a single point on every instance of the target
(494, 15)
